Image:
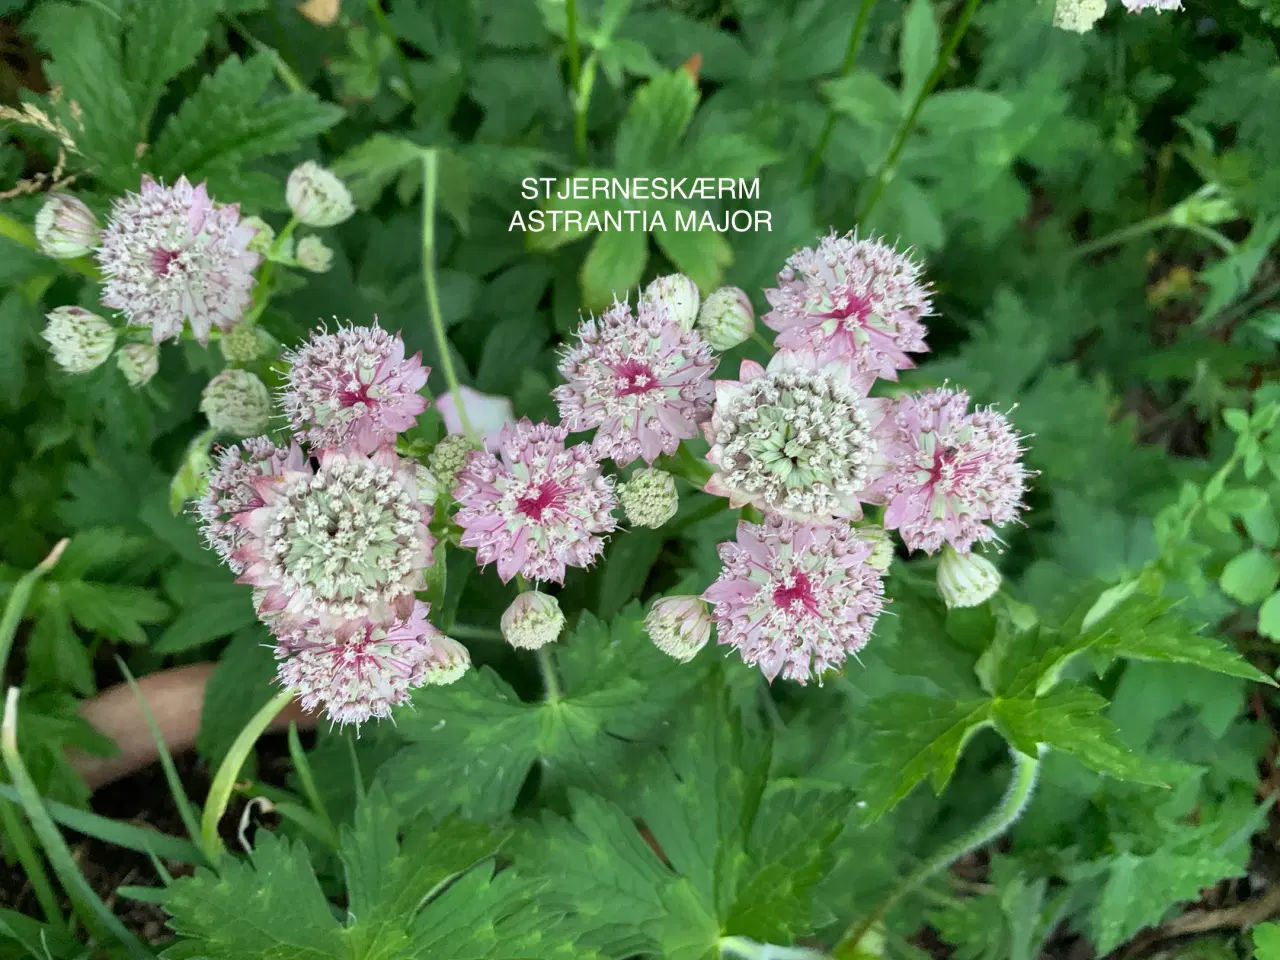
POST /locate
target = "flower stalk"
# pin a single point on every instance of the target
(850, 58)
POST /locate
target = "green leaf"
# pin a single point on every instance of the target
(241, 684)
(957, 111)
(1269, 617)
(1073, 720)
(160, 41)
(702, 254)
(614, 265)
(229, 121)
(1266, 941)
(1250, 576)
(370, 167)
(919, 51)
(865, 97)
(656, 120)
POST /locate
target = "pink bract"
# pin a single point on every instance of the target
(353, 387)
(952, 474)
(639, 380)
(852, 301)
(796, 599)
(231, 491)
(537, 507)
(171, 254)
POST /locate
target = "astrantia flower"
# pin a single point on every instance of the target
(796, 598)
(533, 620)
(639, 380)
(360, 671)
(171, 254)
(1137, 6)
(346, 541)
(313, 255)
(857, 301)
(649, 498)
(966, 579)
(79, 340)
(538, 507)
(317, 197)
(1078, 16)
(675, 296)
(447, 458)
(486, 414)
(66, 228)
(236, 402)
(679, 626)
(139, 362)
(232, 490)
(245, 343)
(796, 439)
(353, 387)
(952, 475)
(726, 318)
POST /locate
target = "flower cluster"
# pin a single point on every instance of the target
(336, 540)
(1079, 16)
(802, 444)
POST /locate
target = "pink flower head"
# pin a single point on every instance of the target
(797, 439)
(363, 669)
(642, 381)
(951, 473)
(171, 254)
(796, 598)
(486, 414)
(345, 541)
(1137, 6)
(856, 301)
(537, 507)
(231, 491)
(353, 387)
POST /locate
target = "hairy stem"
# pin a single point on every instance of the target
(20, 233)
(224, 780)
(850, 57)
(429, 177)
(885, 171)
(575, 84)
(1000, 819)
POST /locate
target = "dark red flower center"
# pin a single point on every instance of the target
(161, 260)
(799, 594)
(349, 398)
(854, 307)
(547, 496)
(635, 377)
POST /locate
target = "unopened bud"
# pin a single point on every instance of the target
(79, 340)
(138, 362)
(533, 620)
(65, 227)
(726, 318)
(649, 498)
(317, 197)
(236, 402)
(246, 342)
(448, 457)
(263, 238)
(677, 295)
(448, 661)
(313, 255)
(966, 579)
(679, 626)
(428, 486)
(882, 551)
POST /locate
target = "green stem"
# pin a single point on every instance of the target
(1213, 236)
(20, 233)
(264, 290)
(850, 57)
(465, 631)
(575, 80)
(1149, 225)
(302, 767)
(433, 294)
(60, 856)
(287, 76)
(886, 169)
(760, 338)
(19, 596)
(384, 26)
(1000, 819)
(548, 670)
(224, 780)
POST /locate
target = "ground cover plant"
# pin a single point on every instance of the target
(517, 479)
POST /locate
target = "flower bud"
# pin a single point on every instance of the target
(649, 498)
(726, 318)
(428, 486)
(65, 227)
(533, 620)
(236, 402)
(246, 342)
(1206, 207)
(679, 626)
(966, 579)
(677, 295)
(447, 662)
(448, 458)
(317, 197)
(882, 552)
(313, 255)
(265, 236)
(1078, 16)
(79, 340)
(138, 362)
